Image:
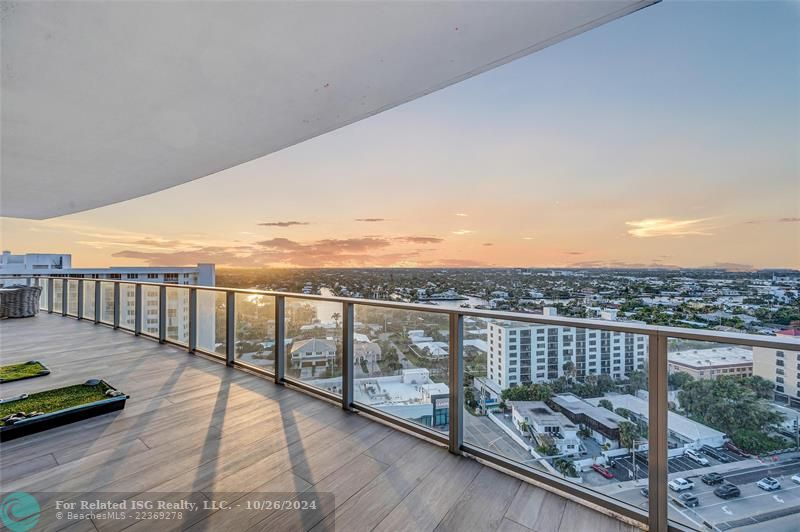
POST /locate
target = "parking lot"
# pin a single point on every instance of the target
(755, 509)
(624, 467)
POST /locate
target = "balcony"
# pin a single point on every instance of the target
(211, 412)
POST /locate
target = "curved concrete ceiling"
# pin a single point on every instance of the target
(106, 101)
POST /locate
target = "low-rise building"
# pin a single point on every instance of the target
(681, 431)
(412, 395)
(603, 423)
(712, 363)
(312, 353)
(546, 426)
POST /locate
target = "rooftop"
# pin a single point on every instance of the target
(194, 425)
(717, 356)
(691, 430)
(577, 405)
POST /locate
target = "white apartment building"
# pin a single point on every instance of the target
(60, 265)
(525, 353)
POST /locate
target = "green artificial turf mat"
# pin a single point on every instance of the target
(14, 372)
(54, 400)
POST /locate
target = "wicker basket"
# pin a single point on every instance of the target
(19, 301)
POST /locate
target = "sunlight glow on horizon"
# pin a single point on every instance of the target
(632, 145)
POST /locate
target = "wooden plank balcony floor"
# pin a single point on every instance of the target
(194, 425)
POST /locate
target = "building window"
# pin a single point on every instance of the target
(152, 276)
(779, 354)
(132, 275)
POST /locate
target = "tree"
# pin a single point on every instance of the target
(605, 403)
(569, 369)
(730, 405)
(565, 467)
(637, 380)
(679, 379)
(530, 392)
(628, 432)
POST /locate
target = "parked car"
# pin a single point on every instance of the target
(769, 484)
(735, 450)
(712, 478)
(727, 491)
(680, 484)
(696, 457)
(715, 454)
(689, 499)
(645, 492)
(796, 479)
(602, 470)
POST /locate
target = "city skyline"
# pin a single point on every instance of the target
(622, 147)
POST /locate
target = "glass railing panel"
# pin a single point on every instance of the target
(127, 306)
(58, 294)
(44, 297)
(401, 364)
(733, 436)
(314, 343)
(106, 302)
(178, 315)
(88, 299)
(72, 297)
(211, 321)
(553, 399)
(255, 330)
(150, 309)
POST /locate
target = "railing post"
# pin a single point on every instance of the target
(230, 328)
(116, 305)
(64, 296)
(192, 319)
(280, 339)
(657, 441)
(456, 370)
(98, 303)
(80, 299)
(162, 314)
(348, 315)
(50, 292)
(137, 309)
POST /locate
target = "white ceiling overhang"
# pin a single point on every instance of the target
(107, 101)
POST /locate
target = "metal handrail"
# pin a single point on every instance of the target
(656, 517)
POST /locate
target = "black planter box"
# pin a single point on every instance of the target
(62, 417)
(45, 371)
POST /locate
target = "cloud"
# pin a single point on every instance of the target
(420, 239)
(789, 220)
(461, 214)
(463, 232)
(573, 252)
(370, 219)
(655, 227)
(487, 244)
(282, 224)
(527, 238)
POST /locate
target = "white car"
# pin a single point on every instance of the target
(696, 457)
(796, 479)
(680, 484)
(769, 484)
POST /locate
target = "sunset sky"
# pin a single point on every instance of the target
(670, 137)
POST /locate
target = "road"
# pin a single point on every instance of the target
(482, 432)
